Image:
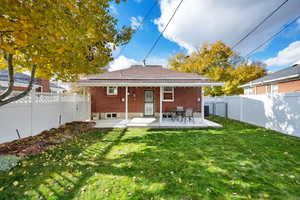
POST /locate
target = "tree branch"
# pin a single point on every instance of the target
(10, 77)
(24, 93)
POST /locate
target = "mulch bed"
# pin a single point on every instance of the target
(36, 144)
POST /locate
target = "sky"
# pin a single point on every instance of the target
(201, 21)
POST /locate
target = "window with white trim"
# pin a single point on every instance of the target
(168, 94)
(248, 91)
(274, 89)
(112, 90)
(111, 115)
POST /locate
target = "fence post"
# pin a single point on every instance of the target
(32, 102)
(75, 107)
(60, 109)
(241, 108)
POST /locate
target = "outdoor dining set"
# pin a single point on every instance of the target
(180, 114)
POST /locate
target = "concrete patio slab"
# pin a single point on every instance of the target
(153, 123)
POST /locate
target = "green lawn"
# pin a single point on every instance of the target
(238, 161)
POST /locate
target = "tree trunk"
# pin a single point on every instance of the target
(9, 58)
(4, 101)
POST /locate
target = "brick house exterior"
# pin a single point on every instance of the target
(151, 91)
(136, 99)
(283, 81)
(44, 85)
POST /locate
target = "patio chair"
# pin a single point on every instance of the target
(179, 108)
(179, 112)
(167, 115)
(173, 116)
(188, 115)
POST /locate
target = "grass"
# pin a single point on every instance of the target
(238, 161)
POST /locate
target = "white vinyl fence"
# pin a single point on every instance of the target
(41, 111)
(280, 112)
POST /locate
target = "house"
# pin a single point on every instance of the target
(283, 81)
(22, 80)
(151, 90)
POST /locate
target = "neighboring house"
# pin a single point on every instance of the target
(22, 81)
(152, 90)
(283, 81)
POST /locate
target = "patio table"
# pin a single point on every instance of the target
(178, 113)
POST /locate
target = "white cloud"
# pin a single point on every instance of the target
(288, 56)
(157, 61)
(135, 22)
(113, 10)
(201, 21)
(122, 62)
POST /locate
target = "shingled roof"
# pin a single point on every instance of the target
(292, 72)
(24, 79)
(18, 77)
(139, 74)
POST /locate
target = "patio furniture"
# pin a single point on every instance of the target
(188, 114)
(168, 115)
(177, 113)
(173, 116)
(179, 108)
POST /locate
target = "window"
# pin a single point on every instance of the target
(111, 115)
(274, 89)
(168, 94)
(248, 91)
(112, 90)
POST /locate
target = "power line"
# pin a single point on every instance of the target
(257, 26)
(140, 25)
(273, 36)
(161, 33)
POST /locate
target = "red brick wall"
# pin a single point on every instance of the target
(291, 86)
(186, 97)
(107, 103)
(260, 89)
(45, 85)
(101, 102)
(19, 88)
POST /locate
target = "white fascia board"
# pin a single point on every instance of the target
(282, 78)
(56, 89)
(268, 81)
(91, 78)
(148, 84)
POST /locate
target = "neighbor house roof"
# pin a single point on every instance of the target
(289, 73)
(138, 75)
(22, 80)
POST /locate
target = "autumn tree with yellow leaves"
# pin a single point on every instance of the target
(218, 62)
(56, 39)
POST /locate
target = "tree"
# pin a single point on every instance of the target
(244, 73)
(56, 39)
(221, 64)
(177, 61)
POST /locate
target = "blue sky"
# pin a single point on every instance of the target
(200, 21)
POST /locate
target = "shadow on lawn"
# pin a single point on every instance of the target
(58, 164)
(226, 163)
(88, 171)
